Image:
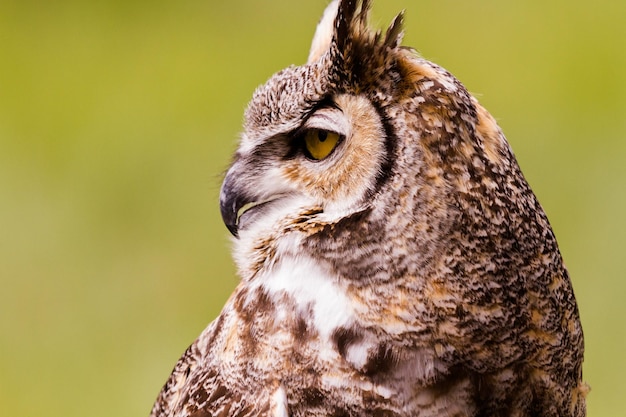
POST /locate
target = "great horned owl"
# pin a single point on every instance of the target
(393, 259)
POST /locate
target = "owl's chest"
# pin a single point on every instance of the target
(299, 328)
(296, 315)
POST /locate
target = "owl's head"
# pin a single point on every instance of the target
(365, 151)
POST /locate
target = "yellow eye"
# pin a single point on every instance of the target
(320, 143)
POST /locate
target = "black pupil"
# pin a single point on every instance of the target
(322, 135)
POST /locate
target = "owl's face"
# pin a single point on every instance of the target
(365, 141)
(317, 146)
(326, 167)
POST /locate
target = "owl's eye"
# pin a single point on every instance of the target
(319, 143)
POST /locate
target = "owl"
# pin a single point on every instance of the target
(393, 260)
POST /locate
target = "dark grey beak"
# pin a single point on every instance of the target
(234, 200)
(231, 201)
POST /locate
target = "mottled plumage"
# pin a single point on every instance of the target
(393, 259)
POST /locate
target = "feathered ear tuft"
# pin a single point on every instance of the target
(394, 34)
(339, 23)
(324, 33)
(345, 20)
(350, 23)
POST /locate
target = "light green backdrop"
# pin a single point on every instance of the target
(117, 119)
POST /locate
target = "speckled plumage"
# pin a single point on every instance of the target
(411, 272)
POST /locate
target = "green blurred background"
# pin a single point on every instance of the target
(117, 119)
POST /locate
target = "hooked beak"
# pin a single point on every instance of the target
(239, 196)
(236, 200)
(233, 202)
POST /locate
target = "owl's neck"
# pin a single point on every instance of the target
(318, 296)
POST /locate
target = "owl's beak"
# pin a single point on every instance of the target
(231, 202)
(236, 200)
(232, 199)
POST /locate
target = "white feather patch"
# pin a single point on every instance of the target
(312, 288)
(278, 403)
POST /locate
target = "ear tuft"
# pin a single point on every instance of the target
(394, 34)
(345, 20)
(324, 33)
